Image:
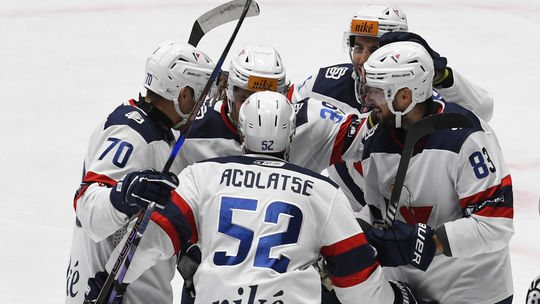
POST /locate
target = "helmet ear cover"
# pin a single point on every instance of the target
(267, 123)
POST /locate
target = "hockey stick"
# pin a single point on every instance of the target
(419, 129)
(217, 16)
(143, 217)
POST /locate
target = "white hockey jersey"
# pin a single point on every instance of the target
(457, 183)
(261, 223)
(336, 85)
(128, 140)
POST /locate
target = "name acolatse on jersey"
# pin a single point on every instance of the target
(250, 179)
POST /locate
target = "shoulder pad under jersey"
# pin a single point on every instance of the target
(337, 82)
(137, 120)
(212, 122)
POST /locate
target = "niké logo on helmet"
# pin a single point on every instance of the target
(262, 84)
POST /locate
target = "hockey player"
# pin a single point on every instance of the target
(214, 132)
(455, 216)
(324, 132)
(136, 135)
(373, 26)
(262, 222)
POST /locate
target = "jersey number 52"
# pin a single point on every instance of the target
(265, 243)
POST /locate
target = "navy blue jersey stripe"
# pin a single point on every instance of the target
(351, 261)
(383, 140)
(301, 112)
(343, 173)
(173, 213)
(137, 120)
(336, 81)
(211, 125)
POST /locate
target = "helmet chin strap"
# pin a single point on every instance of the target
(398, 119)
(184, 116)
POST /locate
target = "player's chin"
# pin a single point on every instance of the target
(378, 112)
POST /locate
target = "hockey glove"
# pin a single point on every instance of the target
(137, 189)
(404, 294)
(96, 284)
(439, 62)
(404, 244)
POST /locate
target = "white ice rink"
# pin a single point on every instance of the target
(64, 65)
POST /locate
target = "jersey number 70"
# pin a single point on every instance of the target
(245, 235)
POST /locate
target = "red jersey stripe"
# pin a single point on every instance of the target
(78, 196)
(290, 93)
(188, 214)
(354, 279)
(99, 178)
(358, 166)
(168, 227)
(486, 194)
(337, 150)
(92, 177)
(226, 119)
(344, 245)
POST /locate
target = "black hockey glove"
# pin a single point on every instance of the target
(137, 189)
(404, 294)
(404, 244)
(96, 284)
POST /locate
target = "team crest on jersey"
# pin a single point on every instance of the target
(297, 106)
(335, 72)
(135, 115)
(202, 111)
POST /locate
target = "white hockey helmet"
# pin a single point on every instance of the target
(256, 68)
(173, 66)
(374, 20)
(396, 66)
(267, 122)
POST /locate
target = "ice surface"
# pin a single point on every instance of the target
(66, 64)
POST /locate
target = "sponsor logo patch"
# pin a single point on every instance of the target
(365, 27)
(262, 84)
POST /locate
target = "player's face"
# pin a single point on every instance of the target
(375, 97)
(240, 95)
(362, 49)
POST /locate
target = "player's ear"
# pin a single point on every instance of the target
(407, 96)
(185, 93)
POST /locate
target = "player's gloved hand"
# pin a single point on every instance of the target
(438, 61)
(96, 284)
(404, 244)
(404, 294)
(137, 189)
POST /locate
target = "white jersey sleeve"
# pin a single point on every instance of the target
(301, 91)
(341, 235)
(325, 134)
(484, 187)
(469, 96)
